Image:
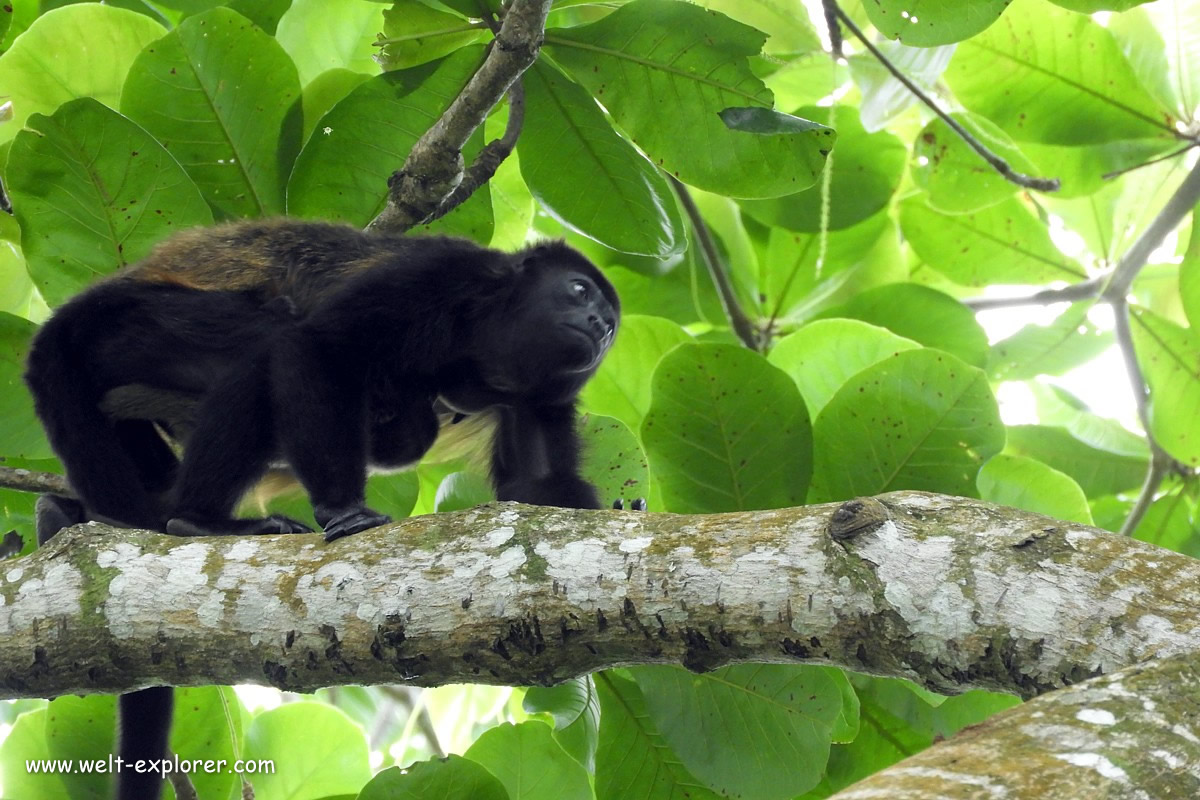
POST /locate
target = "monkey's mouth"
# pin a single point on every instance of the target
(585, 358)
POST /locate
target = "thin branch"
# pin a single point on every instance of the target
(1116, 173)
(434, 168)
(27, 480)
(490, 157)
(997, 163)
(1160, 465)
(741, 324)
(1084, 290)
(831, 24)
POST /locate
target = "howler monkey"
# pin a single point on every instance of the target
(324, 347)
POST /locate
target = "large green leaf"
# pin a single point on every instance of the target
(1068, 341)
(925, 23)
(417, 33)
(223, 98)
(824, 354)
(613, 460)
(530, 764)
(621, 387)
(649, 50)
(867, 168)
(1054, 76)
(1098, 471)
(1025, 483)
(325, 34)
(633, 761)
(1003, 243)
(1170, 358)
(921, 420)
(343, 170)
(27, 741)
(590, 178)
(316, 749)
(923, 315)
(81, 729)
(93, 192)
(780, 716)
(576, 711)
(451, 778)
(79, 50)
(726, 431)
(200, 729)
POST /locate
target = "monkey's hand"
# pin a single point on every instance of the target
(276, 523)
(637, 504)
(339, 522)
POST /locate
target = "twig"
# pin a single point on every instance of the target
(1084, 290)
(26, 480)
(1119, 172)
(490, 157)
(997, 163)
(831, 24)
(434, 168)
(733, 311)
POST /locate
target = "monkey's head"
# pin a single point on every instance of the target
(559, 320)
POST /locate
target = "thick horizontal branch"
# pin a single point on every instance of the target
(1134, 734)
(953, 593)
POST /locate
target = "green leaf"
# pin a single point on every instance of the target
(1099, 472)
(1170, 358)
(567, 144)
(76, 51)
(1092, 6)
(956, 179)
(1171, 522)
(93, 192)
(778, 717)
(325, 34)
(1081, 169)
(452, 778)
(621, 387)
(418, 33)
(926, 23)
(1003, 243)
(324, 92)
(263, 13)
(342, 171)
(613, 460)
(530, 764)
(1054, 76)
(923, 315)
(1070, 340)
(81, 728)
(884, 97)
(823, 355)
(317, 751)
(791, 31)
(27, 741)
(867, 168)
(633, 761)
(21, 435)
(223, 98)
(393, 494)
(921, 420)
(464, 489)
(1189, 278)
(647, 50)
(1022, 482)
(575, 707)
(768, 122)
(726, 431)
(200, 729)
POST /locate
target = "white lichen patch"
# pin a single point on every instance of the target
(1063, 738)
(242, 550)
(635, 545)
(507, 563)
(499, 536)
(1097, 762)
(56, 594)
(121, 553)
(149, 583)
(914, 572)
(14, 575)
(1170, 759)
(1183, 732)
(1096, 716)
(509, 517)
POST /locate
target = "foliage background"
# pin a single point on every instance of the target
(869, 371)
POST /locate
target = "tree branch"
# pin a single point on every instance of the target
(953, 593)
(1125, 735)
(27, 480)
(434, 167)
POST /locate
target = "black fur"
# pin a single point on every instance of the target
(331, 375)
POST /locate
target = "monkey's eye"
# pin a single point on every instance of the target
(579, 288)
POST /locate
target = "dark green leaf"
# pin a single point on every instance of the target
(928, 24)
(530, 764)
(767, 122)
(1098, 471)
(454, 778)
(1170, 357)
(954, 176)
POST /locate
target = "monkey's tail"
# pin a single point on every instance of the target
(92, 448)
(144, 726)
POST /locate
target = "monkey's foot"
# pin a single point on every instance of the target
(341, 522)
(276, 523)
(637, 504)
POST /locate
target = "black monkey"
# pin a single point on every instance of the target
(323, 346)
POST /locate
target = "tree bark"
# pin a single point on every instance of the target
(950, 592)
(1131, 735)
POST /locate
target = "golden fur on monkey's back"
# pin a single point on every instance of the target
(276, 257)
